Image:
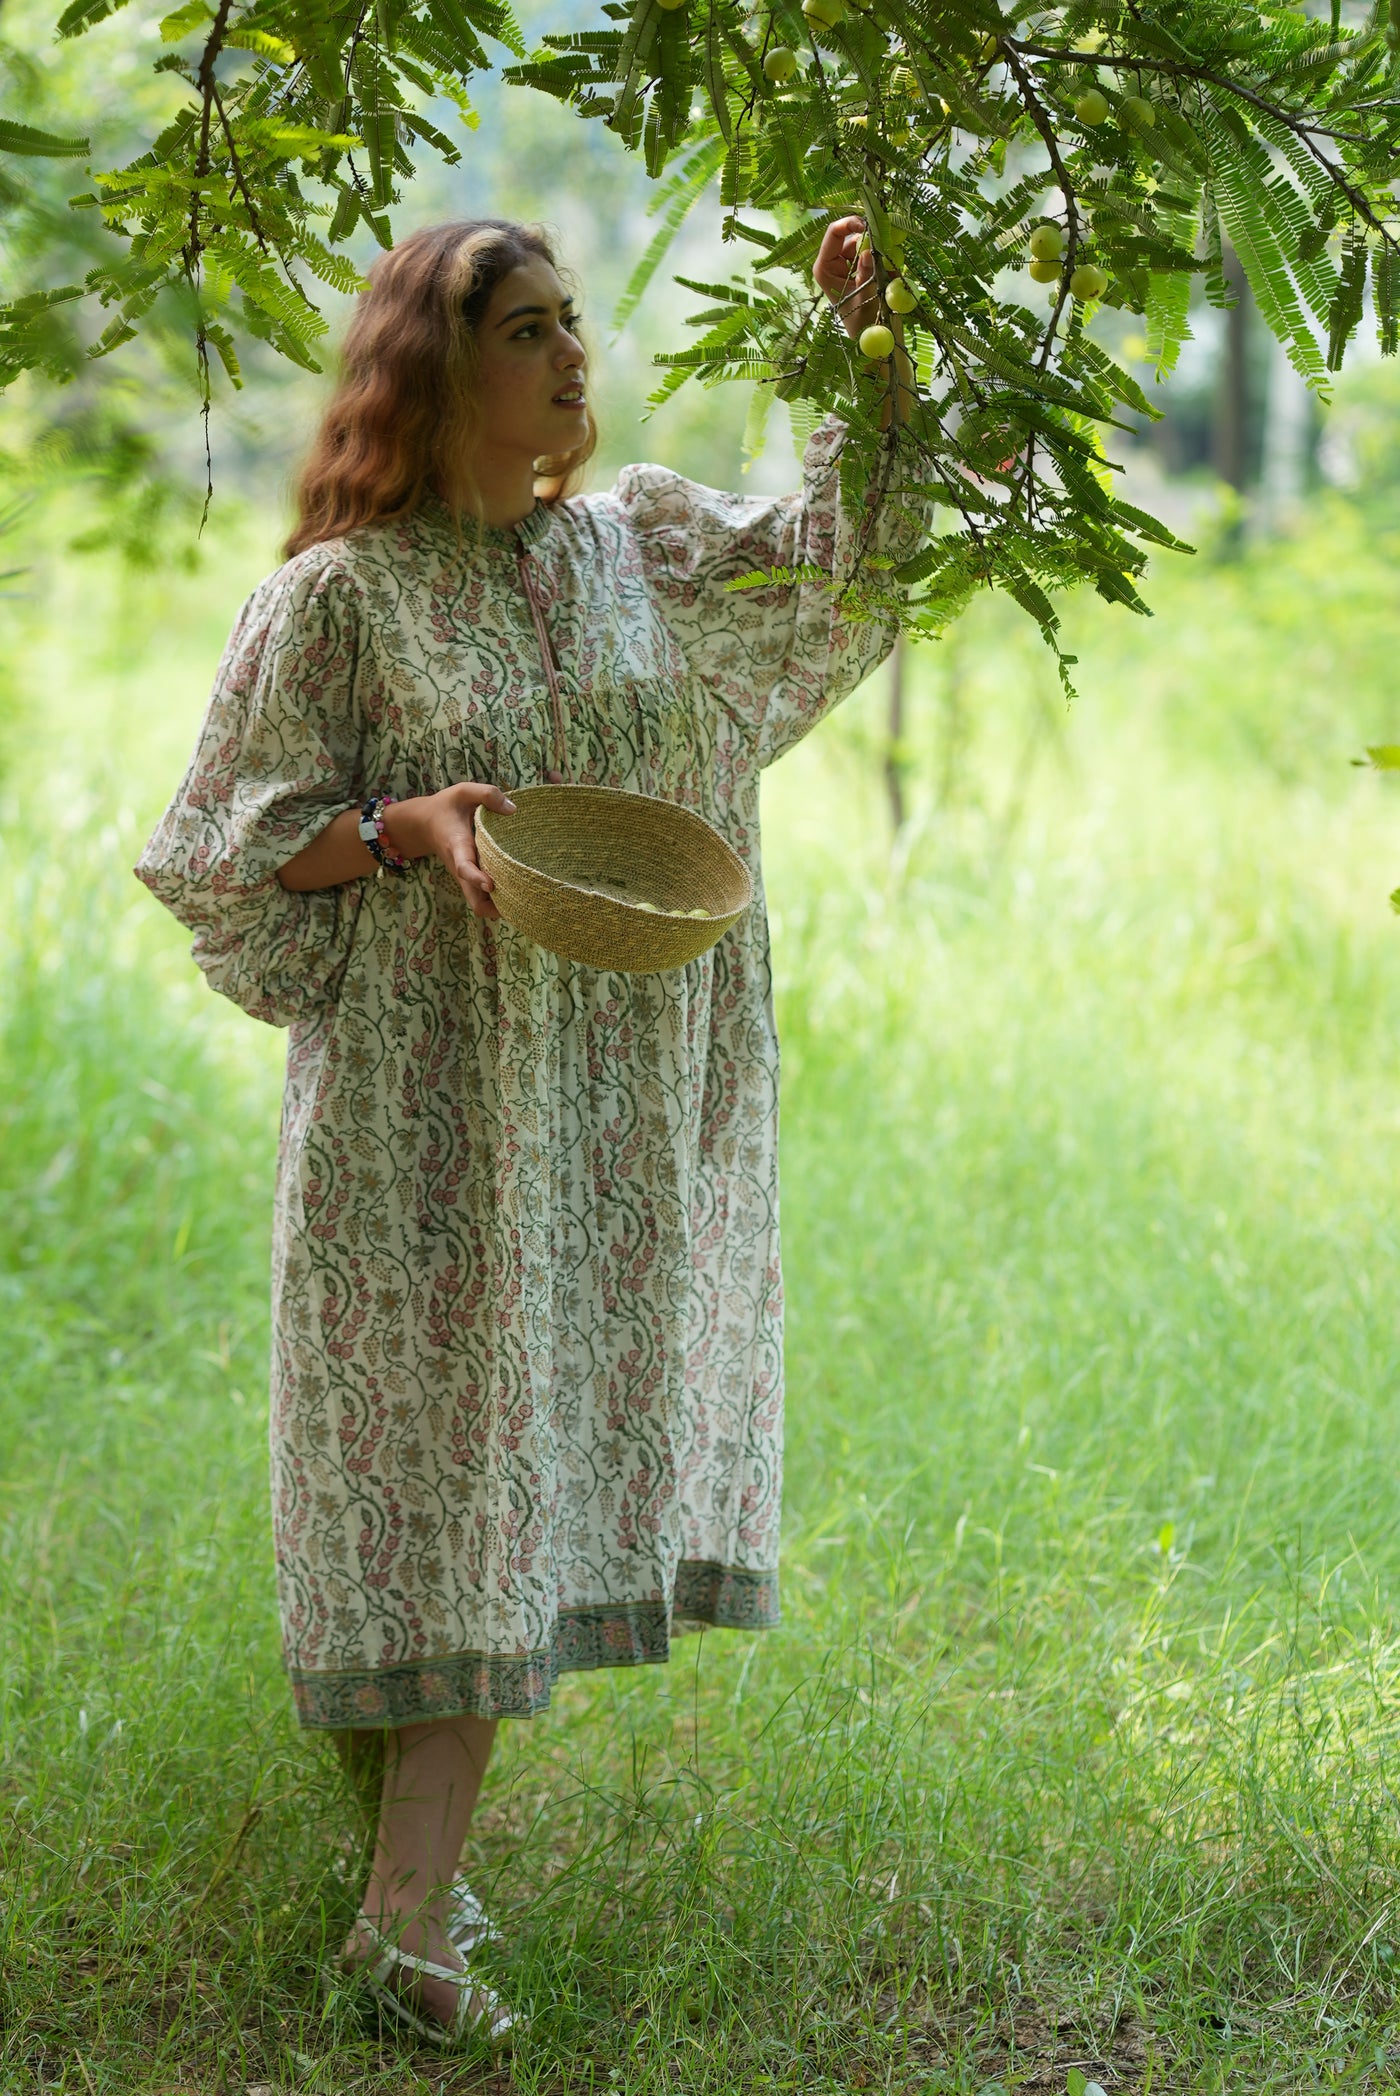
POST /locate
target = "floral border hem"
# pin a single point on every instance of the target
(492, 1685)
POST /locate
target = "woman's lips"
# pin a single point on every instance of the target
(571, 397)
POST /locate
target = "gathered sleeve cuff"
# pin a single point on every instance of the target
(780, 657)
(278, 757)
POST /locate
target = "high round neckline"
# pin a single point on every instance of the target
(531, 528)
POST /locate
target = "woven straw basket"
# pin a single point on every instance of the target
(615, 880)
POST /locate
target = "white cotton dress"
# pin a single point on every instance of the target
(527, 1395)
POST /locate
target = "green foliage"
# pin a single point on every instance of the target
(26, 140)
(954, 129)
(69, 419)
(218, 198)
(1151, 140)
(215, 206)
(29, 339)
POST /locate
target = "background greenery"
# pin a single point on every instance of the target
(1077, 1745)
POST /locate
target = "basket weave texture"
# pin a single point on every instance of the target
(609, 878)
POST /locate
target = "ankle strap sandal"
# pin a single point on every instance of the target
(468, 1923)
(479, 2012)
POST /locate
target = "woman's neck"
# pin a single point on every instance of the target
(498, 491)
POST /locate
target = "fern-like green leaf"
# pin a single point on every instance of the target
(44, 145)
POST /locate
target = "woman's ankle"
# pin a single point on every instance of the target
(421, 1931)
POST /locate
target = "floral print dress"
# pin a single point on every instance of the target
(527, 1395)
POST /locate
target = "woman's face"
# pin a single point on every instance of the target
(530, 368)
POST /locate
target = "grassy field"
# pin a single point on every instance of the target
(1077, 1747)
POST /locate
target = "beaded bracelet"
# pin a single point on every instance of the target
(372, 835)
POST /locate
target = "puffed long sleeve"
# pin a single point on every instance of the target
(776, 659)
(278, 756)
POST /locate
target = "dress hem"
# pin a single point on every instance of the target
(519, 1685)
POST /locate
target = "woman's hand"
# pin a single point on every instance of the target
(442, 826)
(846, 273)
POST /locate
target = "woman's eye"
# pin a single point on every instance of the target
(568, 321)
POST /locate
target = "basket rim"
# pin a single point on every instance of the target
(615, 793)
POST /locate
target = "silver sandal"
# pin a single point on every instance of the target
(479, 2013)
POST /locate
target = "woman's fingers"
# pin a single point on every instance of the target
(443, 826)
(839, 244)
(844, 270)
(841, 240)
(474, 883)
(459, 846)
(833, 266)
(479, 796)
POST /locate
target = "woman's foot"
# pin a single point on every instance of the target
(421, 1978)
(421, 1936)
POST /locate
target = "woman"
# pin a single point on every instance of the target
(527, 1368)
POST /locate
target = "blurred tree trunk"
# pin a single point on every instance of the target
(894, 741)
(1232, 394)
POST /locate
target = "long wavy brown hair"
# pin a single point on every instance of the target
(406, 402)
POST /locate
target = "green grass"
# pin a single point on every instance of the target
(1078, 1743)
